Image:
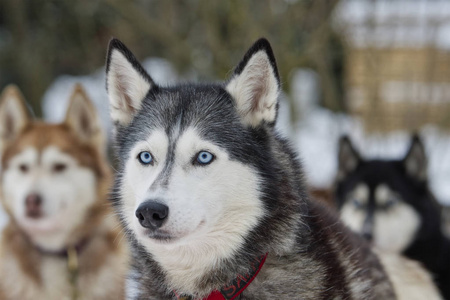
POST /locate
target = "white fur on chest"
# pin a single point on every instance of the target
(54, 285)
(55, 278)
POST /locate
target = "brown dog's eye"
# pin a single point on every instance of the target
(23, 168)
(59, 167)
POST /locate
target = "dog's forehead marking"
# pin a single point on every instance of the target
(176, 130)
(164, 176)
(53, 154)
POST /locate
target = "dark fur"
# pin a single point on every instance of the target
(324, 258)
(429, 245)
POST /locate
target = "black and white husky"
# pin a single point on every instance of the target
(390, 204)
(213, 197)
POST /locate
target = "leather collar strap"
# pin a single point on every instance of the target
(64, 253)
(237, 286)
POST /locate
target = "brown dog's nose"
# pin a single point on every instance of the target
(33, 206)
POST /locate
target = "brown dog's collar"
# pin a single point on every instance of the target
(64, 253)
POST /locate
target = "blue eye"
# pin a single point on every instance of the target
(204, 158)
(145, 158)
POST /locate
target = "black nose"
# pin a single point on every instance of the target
(152, 214)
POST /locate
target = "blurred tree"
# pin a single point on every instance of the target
(41, 39)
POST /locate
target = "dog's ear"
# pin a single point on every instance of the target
(415, 161)
(348, 157)
(127, 83)
(83, 119)
(255, 85)
(14, 115)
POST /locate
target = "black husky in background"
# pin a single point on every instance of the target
(390, 204)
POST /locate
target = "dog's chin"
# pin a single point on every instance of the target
(41, 225)
(161, 237)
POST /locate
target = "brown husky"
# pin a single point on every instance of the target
(61, 241)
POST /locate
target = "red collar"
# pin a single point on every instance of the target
(236, 286)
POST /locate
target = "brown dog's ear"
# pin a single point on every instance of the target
(348, 157)
(415, 160)
(82, 117)
(14, 115)
(255, 85)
